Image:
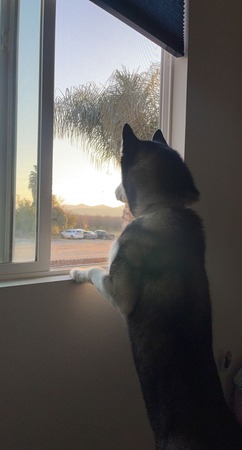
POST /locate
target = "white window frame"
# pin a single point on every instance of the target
(42, 263)
(41, 267)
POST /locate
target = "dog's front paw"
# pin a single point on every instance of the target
(80, 276)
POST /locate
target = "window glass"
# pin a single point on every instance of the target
(27, 131)
(26, 117)
(106, 74)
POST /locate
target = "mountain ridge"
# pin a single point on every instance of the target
(97, 210)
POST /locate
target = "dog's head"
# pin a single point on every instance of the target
(153, 174)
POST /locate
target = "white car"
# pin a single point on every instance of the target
(73, 233)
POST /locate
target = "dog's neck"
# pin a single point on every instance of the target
(144, 210)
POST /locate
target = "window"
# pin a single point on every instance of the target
(26, 80)
(84, 174)
(101, 82)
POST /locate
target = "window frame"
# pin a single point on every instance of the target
(41, 267)
(7, 81)
(45, 142)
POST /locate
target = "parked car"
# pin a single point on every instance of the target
(73, 233)
(102, 234)
(89, 235)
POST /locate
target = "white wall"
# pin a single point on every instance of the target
(66, 375)
(214, 153)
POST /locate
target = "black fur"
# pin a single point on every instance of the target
(157, 279)
(170, 326)
(151, 168)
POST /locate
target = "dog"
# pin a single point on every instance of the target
(157, 280)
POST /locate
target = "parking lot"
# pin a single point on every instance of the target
(68, 252)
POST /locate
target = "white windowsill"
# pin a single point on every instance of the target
(53, 277)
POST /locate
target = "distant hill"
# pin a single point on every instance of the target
(99, 210)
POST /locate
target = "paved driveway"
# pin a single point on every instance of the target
(66, 252)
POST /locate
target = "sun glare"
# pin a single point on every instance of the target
(76, 180)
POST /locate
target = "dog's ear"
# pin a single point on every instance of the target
(158, 136)
(128, 134)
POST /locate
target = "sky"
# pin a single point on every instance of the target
(27, 92)
(90, 45)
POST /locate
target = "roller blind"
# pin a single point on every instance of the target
(162, 21)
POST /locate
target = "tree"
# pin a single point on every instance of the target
(59, 220)
(25, 218)
(33, 183)
(58, 217)
(96, 114)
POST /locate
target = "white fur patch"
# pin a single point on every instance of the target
(121, 298)
(94, 276)
(113, 252)
(120, 194)
(80, 276)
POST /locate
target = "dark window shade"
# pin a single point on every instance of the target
(162, 21)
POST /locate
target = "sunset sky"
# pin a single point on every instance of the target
(90, 45)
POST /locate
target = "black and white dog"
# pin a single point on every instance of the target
(157, 280)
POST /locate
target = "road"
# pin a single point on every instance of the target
(69, 252)
(66, 252)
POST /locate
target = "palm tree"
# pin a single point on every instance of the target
(96, 114)
(33, 183)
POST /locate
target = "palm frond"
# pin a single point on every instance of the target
(94, 115)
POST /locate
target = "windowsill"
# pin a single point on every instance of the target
(53, 277)
(56, 275)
